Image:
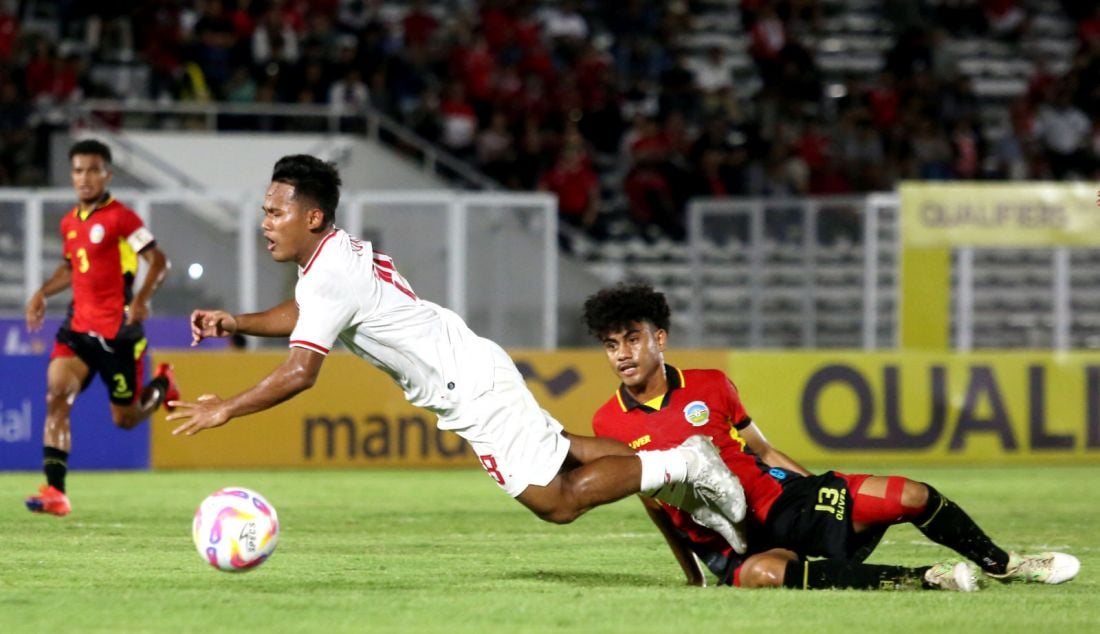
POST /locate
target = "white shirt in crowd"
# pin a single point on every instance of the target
(557, 24)
(1063, 130)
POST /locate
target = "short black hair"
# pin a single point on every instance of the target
(617, 307)
(91, 146)
(311, 178)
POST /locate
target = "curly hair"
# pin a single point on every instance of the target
(615, 308)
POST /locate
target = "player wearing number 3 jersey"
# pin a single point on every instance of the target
(792, 514)
(349, 292)
(103, 242)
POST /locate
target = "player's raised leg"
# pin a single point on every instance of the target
(560, 476)
(575, 490)
(600, 470)
(65, 377)
(127, 410)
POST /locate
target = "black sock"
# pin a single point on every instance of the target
(56, 464)
(157, 388)
(944, 522)
(831, 573)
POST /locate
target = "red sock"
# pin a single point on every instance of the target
(868, 509)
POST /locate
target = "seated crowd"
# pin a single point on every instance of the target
(603, 104)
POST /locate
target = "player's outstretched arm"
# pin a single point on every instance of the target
(297, 374)
(684, 556)
(771, 456)
(61, 279)
(277, 321)
(207, 323)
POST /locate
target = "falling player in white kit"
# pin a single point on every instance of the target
(348, 291)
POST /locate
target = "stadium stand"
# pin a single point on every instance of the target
(626, 110)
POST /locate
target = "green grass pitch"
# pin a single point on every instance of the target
(445, 551)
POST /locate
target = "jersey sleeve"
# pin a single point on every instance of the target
(135, 232)
(598, 426)
(738, 416)
(325, 309)
(603, 424)
(66, 240)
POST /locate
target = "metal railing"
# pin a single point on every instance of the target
(788, 261)
(787, 243)
(335, 118)
(491, 257)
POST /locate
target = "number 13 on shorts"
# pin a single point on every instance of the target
(490, 464)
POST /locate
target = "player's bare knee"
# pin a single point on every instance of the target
(570, 502)
(914, 494)
(561, 514)
(763, 572)
(58, 398)
(126, 420)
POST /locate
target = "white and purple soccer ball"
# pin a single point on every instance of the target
(235, 529)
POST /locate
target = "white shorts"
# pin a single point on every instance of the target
(517, 442)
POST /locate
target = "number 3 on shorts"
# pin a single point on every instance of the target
(490, 464)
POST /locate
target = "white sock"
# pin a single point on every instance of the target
(661, 467)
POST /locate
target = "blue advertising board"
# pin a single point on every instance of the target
(96, 442)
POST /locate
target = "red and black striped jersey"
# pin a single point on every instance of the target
(697, 402)
(101, 245)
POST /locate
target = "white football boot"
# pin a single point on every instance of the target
(958, 577)
(1046, 567)
(714, 496)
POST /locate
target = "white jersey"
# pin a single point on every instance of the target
(350, 292)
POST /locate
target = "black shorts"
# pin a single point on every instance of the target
(813, 517)
(120, 362)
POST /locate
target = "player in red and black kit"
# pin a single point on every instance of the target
(793, 514)
(102, 334)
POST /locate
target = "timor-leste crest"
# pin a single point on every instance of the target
(697, 413)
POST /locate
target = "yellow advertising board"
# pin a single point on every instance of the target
(922, 407)
(354, 416)
(1033, 214)
(843, 407)
(937, 217)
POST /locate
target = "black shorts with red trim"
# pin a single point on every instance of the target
(120, 362)
(813, 518)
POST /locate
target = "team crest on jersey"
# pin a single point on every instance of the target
(97, 233)
(697, 413)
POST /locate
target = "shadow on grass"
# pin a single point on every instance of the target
(585, 578)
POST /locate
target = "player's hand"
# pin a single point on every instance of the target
(211, 323)
(206, 413)
(36, 312)
(138, 312)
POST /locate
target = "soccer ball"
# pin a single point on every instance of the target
(235, 529)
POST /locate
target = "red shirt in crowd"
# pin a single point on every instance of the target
(574, 183)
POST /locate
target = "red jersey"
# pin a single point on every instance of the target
(697, 402)
(101, 246)
(573, 184)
